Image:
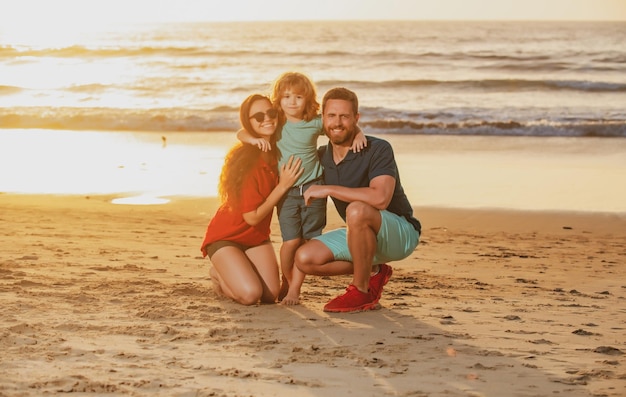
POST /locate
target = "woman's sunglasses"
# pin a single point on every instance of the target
(260, 116)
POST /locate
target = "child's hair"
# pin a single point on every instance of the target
(241, 158)
(301, 85)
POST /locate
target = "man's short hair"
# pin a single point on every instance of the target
(344, 94)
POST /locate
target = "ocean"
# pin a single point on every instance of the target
(524, 115)
(412, 77)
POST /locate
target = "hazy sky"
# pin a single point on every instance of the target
(49, 12)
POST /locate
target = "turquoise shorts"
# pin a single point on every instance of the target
(396, 240)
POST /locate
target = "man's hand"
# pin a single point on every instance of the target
(315, 192)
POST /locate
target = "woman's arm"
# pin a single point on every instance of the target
(289, 174)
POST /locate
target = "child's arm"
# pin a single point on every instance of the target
(360, 142)
(245, 137)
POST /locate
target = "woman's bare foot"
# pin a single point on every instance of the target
(284, 288)
(215, 281)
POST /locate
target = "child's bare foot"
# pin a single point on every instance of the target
(291, 299)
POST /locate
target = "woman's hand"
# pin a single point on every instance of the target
(290, 172)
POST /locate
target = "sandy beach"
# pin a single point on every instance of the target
(105, 299)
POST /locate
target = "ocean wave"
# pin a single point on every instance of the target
(156, 86)
(580, 128)
(105, 119)
(499, 85)
(374, 121)
(9, 89)
(140, 51)
(587, 61)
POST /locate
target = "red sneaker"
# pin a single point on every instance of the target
(352, 301)
(378, 281)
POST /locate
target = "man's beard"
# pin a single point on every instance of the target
(342, 138)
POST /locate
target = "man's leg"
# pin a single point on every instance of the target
(334, 252)
(314, 257)
(363, 222)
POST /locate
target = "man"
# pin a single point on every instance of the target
(366, 190)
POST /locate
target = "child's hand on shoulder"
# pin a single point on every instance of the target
(261, 143)
(359, 143)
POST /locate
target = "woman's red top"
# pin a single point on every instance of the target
(229, 225)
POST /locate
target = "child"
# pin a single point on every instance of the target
(294, 96)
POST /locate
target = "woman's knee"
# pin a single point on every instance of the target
(249, 294)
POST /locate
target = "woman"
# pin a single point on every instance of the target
(237, 242)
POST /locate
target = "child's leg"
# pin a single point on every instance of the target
(295, 284)
(313, 221)
(287, 254)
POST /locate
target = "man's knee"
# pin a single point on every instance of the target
(311, 255)
(359, 213)
(304, 258)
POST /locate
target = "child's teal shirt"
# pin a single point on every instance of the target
(300, 140)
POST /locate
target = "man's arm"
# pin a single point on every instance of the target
(378, 194)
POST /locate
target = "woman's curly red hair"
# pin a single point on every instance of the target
(241, 158)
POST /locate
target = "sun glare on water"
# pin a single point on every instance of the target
(87, 162)
(49, 26)
(134, 166)
(143, 199)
